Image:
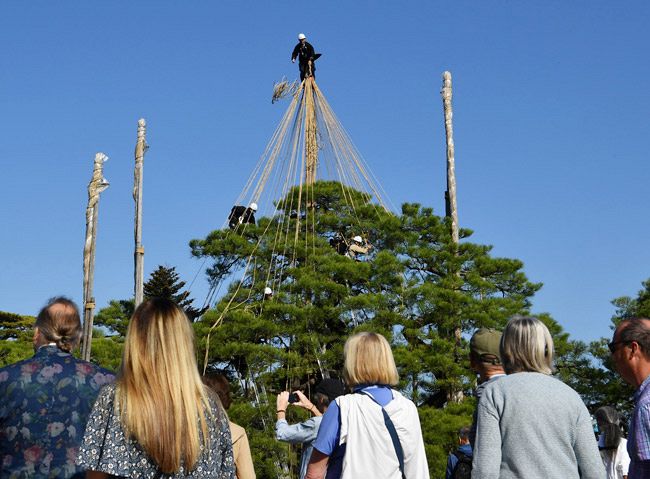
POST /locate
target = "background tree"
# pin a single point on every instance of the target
(164, 282)
(16, 333)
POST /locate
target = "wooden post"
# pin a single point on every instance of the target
(451, 207)
(97, 184)
(450, 194)
(140, 149)
(311, 134)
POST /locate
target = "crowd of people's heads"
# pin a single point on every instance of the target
(161, 402)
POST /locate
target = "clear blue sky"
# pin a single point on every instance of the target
(551, 103)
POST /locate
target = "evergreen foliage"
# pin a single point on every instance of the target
(415, 286)
(16, 332)
(164, 282)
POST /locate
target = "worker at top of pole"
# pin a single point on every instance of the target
(306, 56)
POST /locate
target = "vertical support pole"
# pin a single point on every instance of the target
(450, 194)
(140, 149)
(97, 184)
(311, 137)
(451, 207)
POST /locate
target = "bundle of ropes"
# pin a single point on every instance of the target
(309, 143)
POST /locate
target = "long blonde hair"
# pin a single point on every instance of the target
(160, 395)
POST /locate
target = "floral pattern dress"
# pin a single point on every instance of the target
(44, 404)
(106, 448)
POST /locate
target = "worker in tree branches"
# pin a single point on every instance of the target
(306, 56)
(358, 246)
(240, 214)
(339, 244)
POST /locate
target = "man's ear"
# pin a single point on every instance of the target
(635, 349)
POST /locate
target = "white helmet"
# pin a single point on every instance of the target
(301, 36)
(268, 291)
(358, 239)
(253, 206)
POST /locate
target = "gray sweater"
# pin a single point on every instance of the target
(534, 426)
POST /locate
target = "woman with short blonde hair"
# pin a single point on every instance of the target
(369, 360)
(530, 424)
(158, 418)
(375, 431)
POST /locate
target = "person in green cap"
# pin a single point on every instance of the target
(484, 360)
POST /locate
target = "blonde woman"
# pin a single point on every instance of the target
(530, 424)
(375, 431)
(158, 420)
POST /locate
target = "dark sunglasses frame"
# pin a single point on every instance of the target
(612, 346)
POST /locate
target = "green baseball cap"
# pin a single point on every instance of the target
(485, 345)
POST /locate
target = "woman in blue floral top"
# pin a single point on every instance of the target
(45, 400)
(158, 420)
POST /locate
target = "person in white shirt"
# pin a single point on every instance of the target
(612, 444)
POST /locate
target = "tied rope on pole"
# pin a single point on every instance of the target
(97, 184)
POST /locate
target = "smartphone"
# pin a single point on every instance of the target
(293, 397)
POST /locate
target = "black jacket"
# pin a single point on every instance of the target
(304, 52)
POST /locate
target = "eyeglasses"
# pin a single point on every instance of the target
(612, 346)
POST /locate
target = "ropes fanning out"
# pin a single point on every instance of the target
(309, 149)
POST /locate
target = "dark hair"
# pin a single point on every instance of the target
(464, 432)
(321, 401)
(609, 423)
(634, 329)
(60, 325)
(220, 385)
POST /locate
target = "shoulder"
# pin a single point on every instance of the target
(236, 431)
(17, 368)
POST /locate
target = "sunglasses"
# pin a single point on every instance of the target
(613, 345)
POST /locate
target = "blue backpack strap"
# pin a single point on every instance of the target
(393, 433)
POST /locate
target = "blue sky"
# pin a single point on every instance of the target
(551, 128)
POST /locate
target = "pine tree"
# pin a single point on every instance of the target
(415, 286)
(16, 333)
(164, 282)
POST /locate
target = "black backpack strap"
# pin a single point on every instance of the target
(393, 434)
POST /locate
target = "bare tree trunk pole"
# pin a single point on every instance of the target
(97, 184)
(140, 149)
(451, 206)
(450, 194)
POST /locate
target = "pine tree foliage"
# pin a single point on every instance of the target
(164, 282)
(415, 286)
(16, 332)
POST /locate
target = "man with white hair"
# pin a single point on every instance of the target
(306, 56)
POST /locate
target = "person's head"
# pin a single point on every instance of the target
(327, 391)
(609, 424)
(368, 359)
(302, 38)
(220, 385)
(484, 355)
(527, 345)
(58, 322)
(463, 435)
(253, 206)
(159, 388)
(630, 349)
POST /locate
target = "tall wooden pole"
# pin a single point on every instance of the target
(97, 184)
(311, 134)
(451, 207)
(140, 149)
(450, 194)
